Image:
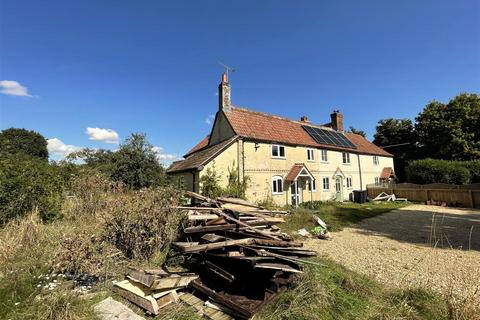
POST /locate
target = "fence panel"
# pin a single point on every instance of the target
(453, 195)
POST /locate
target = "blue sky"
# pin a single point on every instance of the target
(118, 67)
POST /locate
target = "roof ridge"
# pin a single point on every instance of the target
(280, 117)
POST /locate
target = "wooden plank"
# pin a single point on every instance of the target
(238, 202)
(220, 272)
(198, 304)
(211, 237)
(167, 299)
(215, 245)
(276, 266)
(137, 294)
(196, 217)
(231, 226)
(226, 216)
(239, 309)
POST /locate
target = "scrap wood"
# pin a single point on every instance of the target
(195, 217)
(238, 309)
(137, 294)
(204, 309)
(277, 266)
(220, 272)
(228, 217)
(238, 202)
(214, 245)
(109, 309)
(197, 196)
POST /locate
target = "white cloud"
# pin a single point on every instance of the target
(209, 120)
(164, 157)
(13, 88)
(105, 135)
(59, 149)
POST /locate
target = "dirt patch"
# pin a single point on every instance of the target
(426, 246)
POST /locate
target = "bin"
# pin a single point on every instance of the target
(360, 196)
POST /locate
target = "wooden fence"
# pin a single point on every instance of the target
(454, 195)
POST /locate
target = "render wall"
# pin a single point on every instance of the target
(222, 163)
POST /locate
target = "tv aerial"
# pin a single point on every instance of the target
(227, 68)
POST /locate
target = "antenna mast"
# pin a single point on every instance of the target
(227, 68)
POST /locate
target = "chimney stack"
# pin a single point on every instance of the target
(304, 119)
(336, 120)
(224, 94)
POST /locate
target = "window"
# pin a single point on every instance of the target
(324, 155)
(310, 154)
(312, 185)
(349, 182)
(278, 151)
(377, 180)
(326, 183)
(346, 157)
(277, 185)
(375, 160)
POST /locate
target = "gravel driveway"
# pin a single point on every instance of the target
(402, 249)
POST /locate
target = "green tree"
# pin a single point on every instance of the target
(22, 142)
(209, 183)
(236, 187)
(135, 163)
(450, 131)
(397, 136)
(359, 132)
(426, 171)
(31, 184)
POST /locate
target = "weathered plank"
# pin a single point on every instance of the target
(137, 294)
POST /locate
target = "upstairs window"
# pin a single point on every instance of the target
(310, 154)
(324, 155)
(278, 151)
(277, 185)
(326, 183)
(312, 185)
(346, 157)
(375, 160)
(349, 182)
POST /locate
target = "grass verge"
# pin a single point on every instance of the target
(337, 215)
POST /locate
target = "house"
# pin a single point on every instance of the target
(288, 160)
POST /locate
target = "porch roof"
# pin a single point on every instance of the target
(298, 169)
(387, 173)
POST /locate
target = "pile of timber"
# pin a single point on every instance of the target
(153, 289)
(240, 255)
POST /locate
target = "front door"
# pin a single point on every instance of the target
(338, 188)
(295, 191)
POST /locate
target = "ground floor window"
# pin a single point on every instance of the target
(312, 185)
(326, 183)
(349, 182)
(377, 180)
(277, 185)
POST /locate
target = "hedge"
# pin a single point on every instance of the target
(443, 171)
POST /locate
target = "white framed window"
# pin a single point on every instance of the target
(375, 160)
(312, 185)
(349, 183)
(310, 154)
(277, 185)
(346, 157)
(377, 180)
(278, 151)
(326, 183)
(324, 155)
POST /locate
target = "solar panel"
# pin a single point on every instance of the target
(329, 137)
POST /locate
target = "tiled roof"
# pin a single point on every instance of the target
(199, 158)
(202, 144)
(261, 126)
(387, 173)
(295, 171)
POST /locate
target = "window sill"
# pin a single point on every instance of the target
(277, 193)
(310, 160)
(324, 162)
(326, 190)
(347, 164)
(279, 158)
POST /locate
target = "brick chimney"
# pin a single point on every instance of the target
(304, 119)
(224, 94)
(336, 120)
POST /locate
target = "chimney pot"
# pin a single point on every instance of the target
(224, 78)
(304, 119)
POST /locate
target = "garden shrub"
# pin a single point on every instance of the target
(210, 183)
(235, 187)
(26, 184)
(143, 222)
(437, 171)
(474, 167)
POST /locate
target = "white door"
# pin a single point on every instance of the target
(296, 194)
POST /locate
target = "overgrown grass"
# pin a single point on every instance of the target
(333, 292)
(336, 215)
